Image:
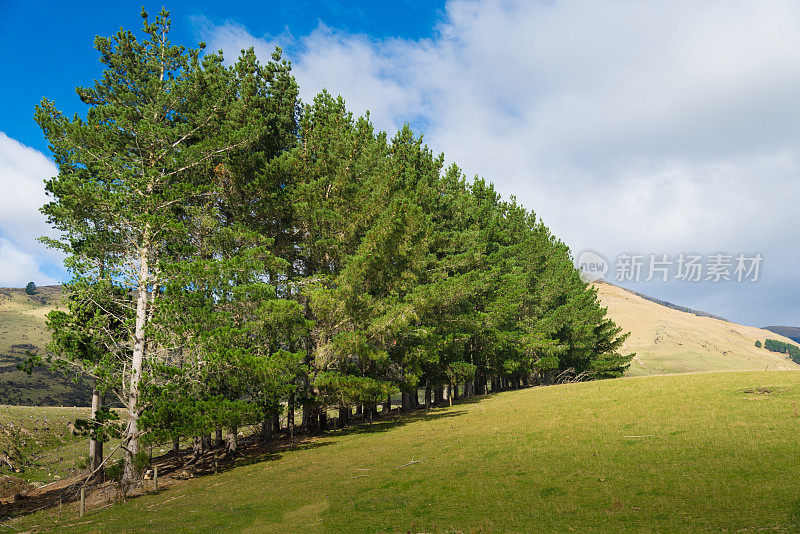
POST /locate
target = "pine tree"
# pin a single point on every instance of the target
(160, 119)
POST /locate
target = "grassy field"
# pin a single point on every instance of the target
(670, 341)
(709, 451)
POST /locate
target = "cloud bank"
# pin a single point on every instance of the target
(627, 126)
(22, 258)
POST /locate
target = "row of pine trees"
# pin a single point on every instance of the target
(240, 257)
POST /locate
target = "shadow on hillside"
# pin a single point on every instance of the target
(252, 451)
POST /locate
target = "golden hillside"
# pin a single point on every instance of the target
(23, 329)
(672, 341)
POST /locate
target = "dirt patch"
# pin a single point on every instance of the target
(758, 391)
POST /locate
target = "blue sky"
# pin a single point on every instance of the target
(627, 126)
(54, 52)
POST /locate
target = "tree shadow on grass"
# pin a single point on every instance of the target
(251, 451)
(394, 420)
(255, 452)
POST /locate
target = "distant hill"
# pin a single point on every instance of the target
(676, 306)
(668, 339)
(23, 329)
(792, 332)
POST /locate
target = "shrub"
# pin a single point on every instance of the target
(114, 470)
(140, 463)
(83, 462)
(793, 351)
(758, 343)
(30, 289)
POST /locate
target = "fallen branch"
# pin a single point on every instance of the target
(412, 462)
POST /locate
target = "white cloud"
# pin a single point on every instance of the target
(626, 125)
(17, 267)
(22, 174)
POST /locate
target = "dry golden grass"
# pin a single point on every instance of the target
(23, 328)
(22, 317)
(671, 341)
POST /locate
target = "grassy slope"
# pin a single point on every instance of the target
(671, 341)
(22, 317)
(38, 439)
(22, 328)
(663, 453)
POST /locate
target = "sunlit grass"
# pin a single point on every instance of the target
(667, 453)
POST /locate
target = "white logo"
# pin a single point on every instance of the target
(591, 265)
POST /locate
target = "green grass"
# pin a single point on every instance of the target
(38, 439)
(665, 453)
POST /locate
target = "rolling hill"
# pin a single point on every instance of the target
(667, 340)
(792, 332)
(23, 329)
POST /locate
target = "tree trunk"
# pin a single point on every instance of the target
(344, 416)
(304, 422)
(207, 443)
(290, 416)
(232, 442)
(480, 384)
(323, 420)
(427, 397)
(387, 406)
(312, 421)
(266, 429)
(132, 434)
(176, 447)
(197, 449)
(405, 401)
(95, 447)
(218, 438)
(276, 423)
